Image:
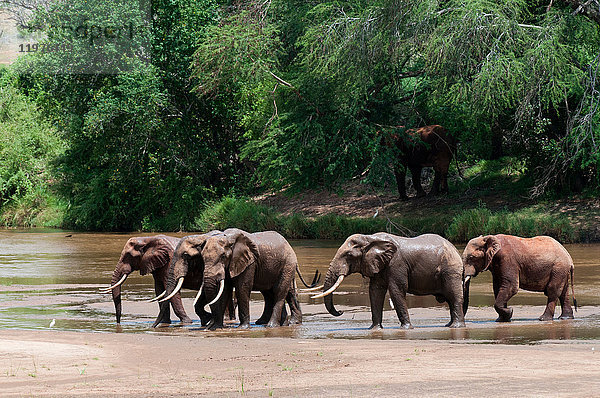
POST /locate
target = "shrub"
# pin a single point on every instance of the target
(524, 222)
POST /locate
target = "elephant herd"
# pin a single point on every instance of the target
(219, 263)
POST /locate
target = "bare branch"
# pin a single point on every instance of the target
(589, 8)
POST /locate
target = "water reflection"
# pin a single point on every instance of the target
(45, 275)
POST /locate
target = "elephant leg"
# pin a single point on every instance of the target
(398, 297)
(280, 291)
(435, 189)
(454, 298)
(292, 300)
(505, 292)
(268, 310)
(377, 291)
(557, 288)
(230, 310)
(444, 181)
(565, 303)
(217, 316)
(218, 308)
(242, 293)
(278, 308)
(548, 314)
(400, 172)
(178, 309)
(164, 307)
(416, 178)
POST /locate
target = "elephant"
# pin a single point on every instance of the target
(538, 264)
(199, 257)
(429, 146)
(150, 254)
(262, 261)
(186, 261)
(425, 265)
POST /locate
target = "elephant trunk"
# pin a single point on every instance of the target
(330, 280)
(215, 288)
(120, 271)
(466, 296)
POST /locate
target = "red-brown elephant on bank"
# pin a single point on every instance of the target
(429, 146)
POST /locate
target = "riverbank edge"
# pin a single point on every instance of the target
(452, 222)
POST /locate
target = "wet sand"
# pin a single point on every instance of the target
(49, 363)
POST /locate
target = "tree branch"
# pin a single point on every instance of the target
(589, 8)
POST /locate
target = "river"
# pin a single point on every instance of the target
(48, 275)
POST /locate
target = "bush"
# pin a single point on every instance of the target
(230, 212)
(524, 222)
(252, 217)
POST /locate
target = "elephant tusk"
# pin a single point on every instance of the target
(110, 288)
(221, 288)
(158, 297)
(177, 289)
(198, 295)
(312, 289)
(332, 289)
(466, 280)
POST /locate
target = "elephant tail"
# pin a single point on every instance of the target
(572, 289)
(466, 287)
(315, 280)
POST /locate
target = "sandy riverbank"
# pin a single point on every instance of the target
(50, 363)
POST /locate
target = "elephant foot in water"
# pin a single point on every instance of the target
(504, 314)
(456, 324)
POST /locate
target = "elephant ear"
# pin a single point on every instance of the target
(377, 255)
(157, 254)
(492, 247)
(244, 253)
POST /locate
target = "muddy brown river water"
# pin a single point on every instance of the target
(55, 275)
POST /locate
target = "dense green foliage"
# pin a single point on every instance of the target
(215, 98)
(28, 145)
(509, 76)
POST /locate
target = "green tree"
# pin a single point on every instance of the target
(29, 146)
(143, 151)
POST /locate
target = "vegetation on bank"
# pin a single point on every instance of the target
(458, 227)
(29, 145)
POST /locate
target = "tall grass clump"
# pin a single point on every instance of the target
(332, 226)
(524, 222)
(232, 212)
